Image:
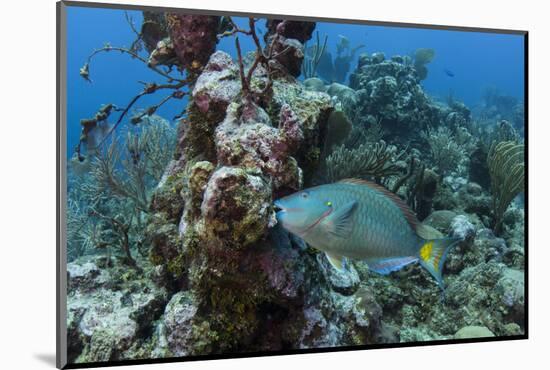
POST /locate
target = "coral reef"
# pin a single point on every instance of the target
(217, 85)
(298, 30)
(422, 191)
(314, 84)
(111, 310)
(478, 166)
(174, 246)
(388, 91)
(498, 106)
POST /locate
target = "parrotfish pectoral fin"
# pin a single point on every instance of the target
(336, 261)
(432, 255)
(386, 265)
(339, 222)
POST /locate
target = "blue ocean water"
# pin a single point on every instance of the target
(477, 60)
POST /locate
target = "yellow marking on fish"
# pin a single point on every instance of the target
(426, 251)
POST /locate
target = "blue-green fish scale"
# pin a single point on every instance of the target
(379, 227)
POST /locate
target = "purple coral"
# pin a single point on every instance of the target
(289, 125)
(256, 144)
(217, 85)
(194, 38)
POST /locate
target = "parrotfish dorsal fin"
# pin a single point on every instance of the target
(407, 212)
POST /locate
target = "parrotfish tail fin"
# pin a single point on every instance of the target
(432, 254)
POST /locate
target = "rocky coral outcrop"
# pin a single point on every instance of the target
(176, 329)
(315, 84)
(492, 281)
(290, 37)
(274, 145)
(440, 220)
(111, 310)
(389, 91)
(256, 144)
(247, 284)
(218, 84)
(511, 288)
(311, 109)
(344, 282)
(485, 294)
(194, 38)
(462, 228)
(456, 193)
(236, 207)
(82, 276)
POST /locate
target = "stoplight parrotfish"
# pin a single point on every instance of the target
(361, 220)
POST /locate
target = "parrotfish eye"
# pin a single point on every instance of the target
(304, 194)
(329, 203)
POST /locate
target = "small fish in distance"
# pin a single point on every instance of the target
(361, 220)
(449, 73)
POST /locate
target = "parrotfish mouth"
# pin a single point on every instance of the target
(280, 210)
(278, 206)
